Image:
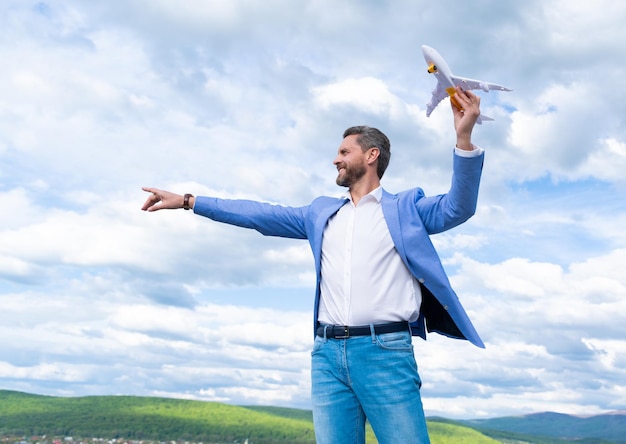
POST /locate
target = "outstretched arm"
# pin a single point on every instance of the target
(161, 200)
(267, 219)
(465, 118)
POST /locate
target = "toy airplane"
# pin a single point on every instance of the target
(446, 82)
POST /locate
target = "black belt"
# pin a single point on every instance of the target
(345, 331)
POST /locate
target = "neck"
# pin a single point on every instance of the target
(362, 188)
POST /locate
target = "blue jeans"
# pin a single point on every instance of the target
(373, 377)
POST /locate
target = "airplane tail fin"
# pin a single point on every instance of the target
(482, 118)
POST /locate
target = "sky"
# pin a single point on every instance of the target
(247, 99)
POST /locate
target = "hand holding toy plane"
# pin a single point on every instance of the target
(446, 82)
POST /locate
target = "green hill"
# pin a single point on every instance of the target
(440, 432)
(148, 418)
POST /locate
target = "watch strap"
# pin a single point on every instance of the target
(186, 198)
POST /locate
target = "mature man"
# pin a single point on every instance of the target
(379, 279)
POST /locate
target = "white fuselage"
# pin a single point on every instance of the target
(438, 66)
(448, 82)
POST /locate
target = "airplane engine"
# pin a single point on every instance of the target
(484, 86)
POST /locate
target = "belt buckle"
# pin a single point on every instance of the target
(346, 333)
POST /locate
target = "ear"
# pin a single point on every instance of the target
(372, 155)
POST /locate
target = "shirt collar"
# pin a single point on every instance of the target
(376, 194)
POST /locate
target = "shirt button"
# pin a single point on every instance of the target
(421, 280)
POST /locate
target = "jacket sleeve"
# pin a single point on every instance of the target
(267, 219)
(442, 212)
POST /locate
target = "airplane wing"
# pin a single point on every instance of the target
(477, 84)
(439, 93)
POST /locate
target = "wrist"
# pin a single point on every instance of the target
(188, 201)
(464, 143)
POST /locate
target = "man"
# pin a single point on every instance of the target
(379, 279)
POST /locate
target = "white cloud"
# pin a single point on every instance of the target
(369, 95)
(43, 372)
(249, 100)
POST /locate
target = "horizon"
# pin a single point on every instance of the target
(613, 413)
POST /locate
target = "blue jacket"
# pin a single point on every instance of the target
(411, 218)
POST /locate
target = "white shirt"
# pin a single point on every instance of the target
(363, 277)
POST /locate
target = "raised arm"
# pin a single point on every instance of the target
(442, 212)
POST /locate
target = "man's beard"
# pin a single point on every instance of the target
(351, 175)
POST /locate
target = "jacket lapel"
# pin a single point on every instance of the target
(320, 223)
(391, 212)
